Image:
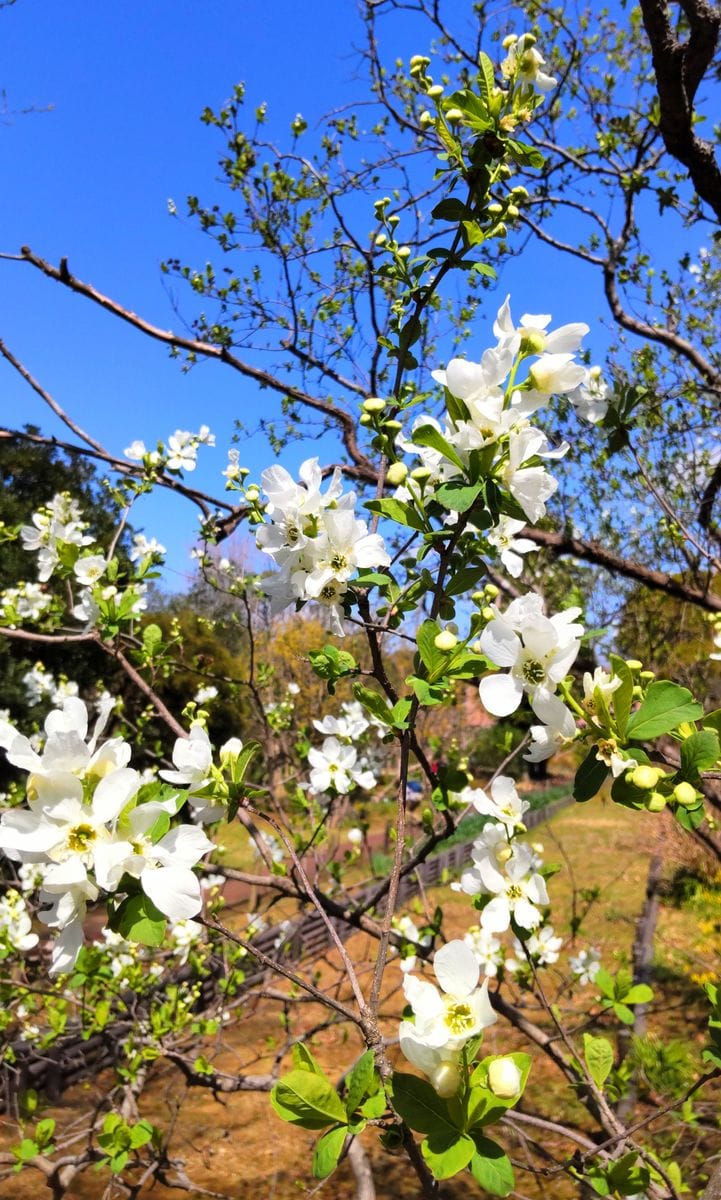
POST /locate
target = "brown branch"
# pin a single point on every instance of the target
(680, 68)
(344, 420)
(592, 551)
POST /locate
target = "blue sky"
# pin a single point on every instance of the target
(90, 179)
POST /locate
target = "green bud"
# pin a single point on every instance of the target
(491, 591)
(533, 341)
(392, 426)
(656, 802)
(454, 114)
(633, 664)
(495, 209)
(647, 676)
(445, 641)
(364, 419)
(478, 597)
(397, 473)
(425, 119)
(435, 91)
(381, 239)
(253, 492)
(404, 252)
(420, 474)
(373, 404)
(512, 211)
(644, 777)
(685, 795)
(488, 614)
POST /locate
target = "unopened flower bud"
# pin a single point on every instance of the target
(509, 41)
(381, 239)
(487, 613)
(533, 341)
(355, 836)
(454, 114)
(397, 473)
(446, 1079)
(373, 404)
(392, 426)
(504, 1078)
(491, 591)
(445, 641)
(420, 474)
(476, 648)
(403, 252)
(685, 794)
(647, 676)
(644, 777)
(425, 119)
(656, 802)
(512, 211)
(364, 419)
(633, 664)
(435, 91)
(503, 855)
(252, 492)
(495, 209)
(520, 192)
(500, 230)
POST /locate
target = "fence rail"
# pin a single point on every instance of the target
(73, 1058)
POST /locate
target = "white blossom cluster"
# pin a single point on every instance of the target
(40, 684)
(53, 527)
(16, 922)
(445, 1018)
(84, 830)
(337, 765)
(505, 870)
(180, 453)
(315, 539)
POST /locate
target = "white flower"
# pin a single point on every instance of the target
(335, 766)
(525, 62)
(205, 694)
(503, 538)
(504, 803)
(486, 949)
(136, 451)
(445, 1020)
(142, 548)
(555, 374)
(504, 1078)
(517, 892)
(586, 964)
(184, 451)
(89, 569)
(539, 651)
(355, 836)
(543, 946)
(15, 922)
(592, 397)
(559, 727)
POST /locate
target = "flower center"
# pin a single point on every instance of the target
(515, 892)
(533, 671)
(458, 1017)
(339, 562)
(80, 838)
(327, 592)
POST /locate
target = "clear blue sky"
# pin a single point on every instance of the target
(90, 179)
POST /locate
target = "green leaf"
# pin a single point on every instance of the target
(304, 1098)
(699, 753)
(373, 702)
(590, 777)
(598, 1053)
(464, 580)
(458, 496)
(604, 983)
(398, 511)
(690, 818)
(432, 658)
(374, 1106)
(623, 695)
(138, 920)
(327, 1151)
(428, 435)
(640, 993)
(491, 1167)
(447, 1153)
(712, 720)
(420, 1106)
(152, 639)
(449, 209)
(303, 1060)
(665, 706)
(361, 1081)
(141, 1134)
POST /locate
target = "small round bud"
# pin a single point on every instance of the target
(647, 676)
(425, 119)
(392, 426)
(355, 836)
(373, 404)
(509, 41)
(478, 597)
(637, 691)
(420, 474)
(504, 1078)
(533, 341)
(252, 492)
(476, 648)
(419, 60)
(454, 114)
(512, 211)
(397, 473)
(394, 220)
(495, 209)
(435, 91)
(487, 613)
(500, 230)
(403, 252)
(445, 641)
(529, 40)
(656, 802)
(364, 419)
(520, 192)
(686, 795)
(446, 1079)
(491, 591)
(503, 855)
(633, 664)
(644, 777)
(381, 239)
(504, 171)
